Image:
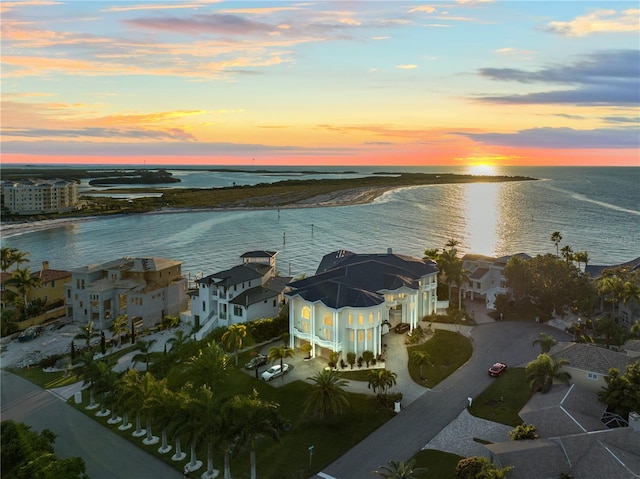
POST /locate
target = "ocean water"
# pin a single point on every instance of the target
(595, 209)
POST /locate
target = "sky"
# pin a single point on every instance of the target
(463, 82)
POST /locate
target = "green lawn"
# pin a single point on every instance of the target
(447, 351)
(502, 401)
(438, 464)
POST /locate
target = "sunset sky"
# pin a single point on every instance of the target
(321, 83)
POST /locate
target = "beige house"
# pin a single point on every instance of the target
(51, 290)
(39, 196)
(145, 289)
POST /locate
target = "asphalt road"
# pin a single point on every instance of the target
(106, 455)
(404, 435)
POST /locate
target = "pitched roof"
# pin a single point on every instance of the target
(595, 271)
(530, 458)
(237, 274)
(357, 280)
(47, 275)
(271, 289)
(479, 273)
(259, 254)
(588, 357)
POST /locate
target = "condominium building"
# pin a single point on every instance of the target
(145, 289)
(38, 196)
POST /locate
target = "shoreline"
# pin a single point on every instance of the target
(351, 197)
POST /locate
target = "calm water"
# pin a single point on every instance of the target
(595, 209)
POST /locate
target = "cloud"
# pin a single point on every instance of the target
(214, 23)
(380, 38)
(161, 6)
(95, 132)
(407, 67)
(599, 21)
(622, 119)
(563, 138)
(603, 78)
(349, 21)
(423, 8)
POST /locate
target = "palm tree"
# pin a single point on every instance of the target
(567, 253)
(10, 256)
(119, 326)
(381, 379)
(178, 341)
(165, 405)
(400, 470)
(459, 277)
(420, 359)
(280, 353)
(448, 264)
(545, 341)
(104, 383)
(556, 237)
(89, 372)
(21, 282)
(581, 257)
(148, 389)
(87, 334)
(208, 367)
(132, 398)
(543, 371)
(145, 348)
(234, 337)
(253, 417)
(328, 394)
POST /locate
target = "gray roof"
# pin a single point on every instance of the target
(595, 270)
(589, 357)
(358, 280)
(271, 289)
(530, 458)
(259, 254)
(479, 273)
(236, 275)
(564, 410)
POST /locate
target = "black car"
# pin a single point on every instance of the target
(256, 362)
(402, 328)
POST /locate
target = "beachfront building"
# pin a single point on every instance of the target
(145, 289)
(353, 300)
(38, 196)
(486, 277)
(51, 291)
(246, 292)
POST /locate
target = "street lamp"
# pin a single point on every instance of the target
(310, 455)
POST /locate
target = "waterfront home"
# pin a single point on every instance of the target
(353, 299)
(38, 196)
(145, 289)
(246, 292)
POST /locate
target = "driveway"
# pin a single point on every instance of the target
(421, 421)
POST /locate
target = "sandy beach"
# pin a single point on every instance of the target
(355, 196)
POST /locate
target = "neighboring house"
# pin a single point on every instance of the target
(486, 277)
(145, 289)
(573, 440)
(347, 305)
(51, 290)
(628, 313)
(249, 291)
(39, 196)
(588, 363)
(631, 348)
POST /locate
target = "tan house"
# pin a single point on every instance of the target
(51, 290)
(145, 289)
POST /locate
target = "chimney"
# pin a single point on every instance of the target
(389, 250)
(45, 265)
(634, 421)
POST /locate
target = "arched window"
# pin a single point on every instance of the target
(350, 319)
(306, 312)
(328, 319)
(361, 319)
(371, 317)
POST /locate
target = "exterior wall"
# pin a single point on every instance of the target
(39, 196)
(586, 379)
(51, 291)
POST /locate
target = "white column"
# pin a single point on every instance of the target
(312, 330)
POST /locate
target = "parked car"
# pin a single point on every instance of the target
(274, 372)
(256, 361)
(402, 328)
(497, 369)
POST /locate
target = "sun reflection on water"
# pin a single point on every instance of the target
(481, 213)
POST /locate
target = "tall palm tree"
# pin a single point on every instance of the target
(556, 237)
(543, 371)
(567, 253)
(233, 338)
(254, 417)
(132, 397)
(420, 359)
(10, 256)
(21, 282)
(208, 367)
(145, 348)
(89, 372)
(381, 379)
(581, 257)
(87, 334)
(188, 424)
(148, 389)
(545, 341)
(118, 326)
(178, 341)
(104, 383)
(448, 264)
(328, 395)
(400, 470)
(279, 353)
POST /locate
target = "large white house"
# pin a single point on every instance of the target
(145, 289)
(353, 299)
(246, 292)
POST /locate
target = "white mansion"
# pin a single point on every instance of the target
(347, 305)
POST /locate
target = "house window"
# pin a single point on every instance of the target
(350, 319)
(274, 303)
(204, 306)
(593, 376)
(371, 318)
(306, 326)
(306, 312)
(361, 319)
(351, 335)
(328, 320)
(327, 334)
(237, 310)
(369, 334)
(360, 336)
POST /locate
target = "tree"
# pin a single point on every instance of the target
(253, 417)
(367, 356)
(145, 348)
(21, 282)
(545, 341)
(478, 467)
(87, 334)
(420, 359)
(10, 256)
(609, 328)
(208, 367)
(567, 253)
(351, 358)
(89, 371)
(581, 257)
(119, 326)
(178, 341)
(400, 470)
(622, 392)
(523, 431)
(382, 380)
(328, 395)
(280, 353)
(556, 238)
(148, 390)
(543, 371)
(27, 454)
(233, 338)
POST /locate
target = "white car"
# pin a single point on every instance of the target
(274, 372)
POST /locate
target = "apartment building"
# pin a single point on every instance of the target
(38, 196)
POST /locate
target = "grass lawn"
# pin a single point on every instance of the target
(439, 464)
(447, 352)
(502, 401)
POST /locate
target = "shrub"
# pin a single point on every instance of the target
(50, 361)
